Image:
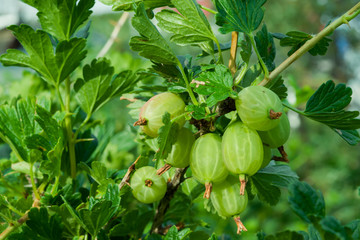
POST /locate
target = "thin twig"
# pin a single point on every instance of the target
(233, 49)
(164, 204)
(126, 178)
(113, 35)
(344, 19)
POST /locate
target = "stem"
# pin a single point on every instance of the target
(221, 60)
(164, 204)
(233, 49)
(292, 108)
(263, 66)
(241, 75)
(70, 135)
(60, 98)
(344, 19)
(208, 9)
(192, 96)
(243, 180)
(36, 193)
(113, 35)
(55, 186)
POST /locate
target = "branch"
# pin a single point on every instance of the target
(113, 35)
(344, 19)
(232, 60)
(19, 222)
(126, 178)
(164, 204)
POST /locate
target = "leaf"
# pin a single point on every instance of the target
(306, 202)
(296, 39)
(332, 225)
(150, 44)
(189, 26)
(173, 234)
(240, 15)
(54, 67)
(40, 226)
(266, 182)
(99, 85)
(217, 83)
(286, 235)
(133, 223)
(278, 87)
(327, 106)
(354, 227)
(266, 47)
(62, 18)
(246, 49)
(277, 175)
(198, 112)
(128, 5)
(313, 233)
(167, 137)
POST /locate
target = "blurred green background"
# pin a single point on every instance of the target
(316, 153)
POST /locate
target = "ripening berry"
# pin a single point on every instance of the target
(259, 108)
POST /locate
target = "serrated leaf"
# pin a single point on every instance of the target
(54, 67)
(266, 182)
(128, 5)
(296, 39)
(99, 85)
(174, 234)
(240, 15)
(265, 191)
(306, 202)
(278, 87)
(266, 47)
(62, 18)
(40, 226)
(354, 227)
(332, 225)
(327, 106)
(253, 74)
(189, 26)
(286, 235)
(167, 136)
(246, 49)
(133, 223)
(216, 84)
(313, 233)
(150, 44)
(198, 112)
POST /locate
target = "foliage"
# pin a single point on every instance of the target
(68, 172)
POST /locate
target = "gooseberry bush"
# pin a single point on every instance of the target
(211, 127)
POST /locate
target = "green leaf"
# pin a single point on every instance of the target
(277, 175)
(198, 112)
(354, 227)
(332, 225)
(266, 182)
(217, 83)
(54, 67)
(41, 226)
(286, 235)
(240, 15)
(313, 233)
(62, 18)
(327, 106)
(128, 5)
(173, 234)
(133, 223)
(306, 202)
(150, 44)
(296, 39)
(246, 49)
(16, 122)
(99, 85)
(278, 87)
(189, 26)
(167, 137)
(266, 47)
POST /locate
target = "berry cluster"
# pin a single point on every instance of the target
(244, 148)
